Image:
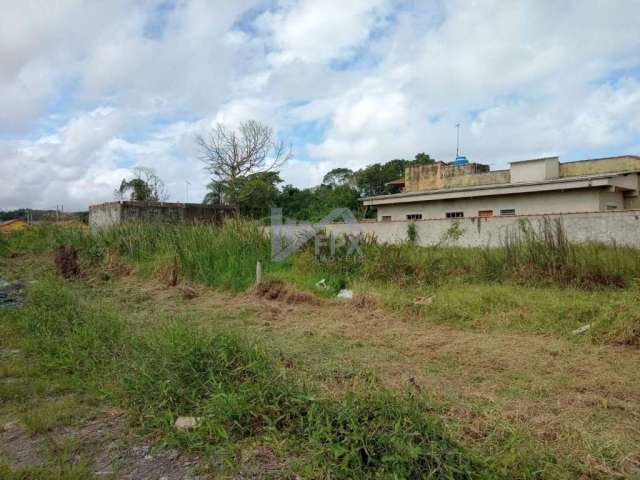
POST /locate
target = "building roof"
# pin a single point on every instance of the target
(563, 183)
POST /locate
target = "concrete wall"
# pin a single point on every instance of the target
(109, 214)
(601, 165)
(621, 227)
(611, 200)
(524, 204)
(441, 175)
(536, 170)
(476, 179)
(104, 215)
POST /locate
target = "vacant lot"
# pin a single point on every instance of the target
(447, 363)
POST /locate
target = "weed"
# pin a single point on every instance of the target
(412, 233)
(66, 333)
(49, 471)
(50, 415)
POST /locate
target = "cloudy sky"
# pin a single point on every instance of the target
(89, 89)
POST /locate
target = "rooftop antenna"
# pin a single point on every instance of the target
(460, 160)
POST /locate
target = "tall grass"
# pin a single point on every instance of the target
(545, 252)
(531, 254)
(216, 255)
(225, 256)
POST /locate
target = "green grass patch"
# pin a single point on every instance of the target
(238, 389)
(52, 414)
(48, 471)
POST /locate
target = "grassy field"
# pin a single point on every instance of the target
(448, 362)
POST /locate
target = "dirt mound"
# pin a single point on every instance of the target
(630, 338)
(280, 292)
(365, 302)
(66, 259)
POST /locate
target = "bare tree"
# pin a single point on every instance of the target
(230, 155)
(145, 185)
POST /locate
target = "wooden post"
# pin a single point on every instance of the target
(258, 272)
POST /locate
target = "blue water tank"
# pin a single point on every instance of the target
(460, 160)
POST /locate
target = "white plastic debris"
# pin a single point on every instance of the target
(322, 284)
(582, 329)
(185, 423)
(344, 293)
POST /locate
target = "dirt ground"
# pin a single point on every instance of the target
(104, 443)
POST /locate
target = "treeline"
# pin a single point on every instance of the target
(13, 214)
(340, 188)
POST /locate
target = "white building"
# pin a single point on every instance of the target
(528, 187)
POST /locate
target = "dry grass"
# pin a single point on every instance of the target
(580, 400)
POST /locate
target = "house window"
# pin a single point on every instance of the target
(611, 206)
(454, 214)
(414, 216)
(386, 218)
(508, 212)
(485, 213)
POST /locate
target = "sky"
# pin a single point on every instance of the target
(91, 89)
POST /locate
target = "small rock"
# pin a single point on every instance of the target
(582, 329)
(10, 426)
(186, 423)
(344, 293)
(172, 454)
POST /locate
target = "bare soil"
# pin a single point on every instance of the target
(105, 443)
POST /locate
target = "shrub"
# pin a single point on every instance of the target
(378, 434)
(412, 233)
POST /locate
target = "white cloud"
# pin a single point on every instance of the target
(314, 31)
(90, 89)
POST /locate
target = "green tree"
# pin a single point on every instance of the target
(339, 177)
(258, 193)
(423, 159)
(374, 179)
(145, 186)
(215, 194)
